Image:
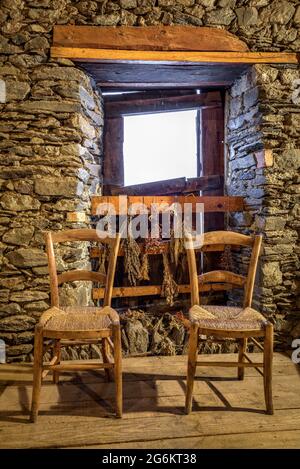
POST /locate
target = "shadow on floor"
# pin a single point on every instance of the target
(134, 386)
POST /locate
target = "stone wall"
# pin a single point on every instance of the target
(50, 141)
(263, 163)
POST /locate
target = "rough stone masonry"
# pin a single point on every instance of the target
(51, 148)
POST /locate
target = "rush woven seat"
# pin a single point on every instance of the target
(79, 319)
(78, 325)
(222, 322)
(227, 317)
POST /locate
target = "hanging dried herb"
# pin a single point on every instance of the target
(132, 263)
(226, 259)
(169, 289)
(176, 248)
(145, 267)
(103, 255)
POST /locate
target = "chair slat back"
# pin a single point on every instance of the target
(217, 276)
(221, 276)
(81, 234)
(85, 234)
(74, 275)
(223, 238)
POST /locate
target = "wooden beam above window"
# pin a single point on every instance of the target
(83, 54)
(184, 56)
(164, 38)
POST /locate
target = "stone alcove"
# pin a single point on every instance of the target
(51, 149)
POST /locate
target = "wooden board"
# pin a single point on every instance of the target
(287, 439)
(169, 104)
(92, 429)
(154, 401)
(154, 250)
(164, 388)
(113, 162)
(148, 38)
(152, 290)
(151, 56)
(147, 94)
(21, 373)
(212, 159)
(172, 186)
(137, 76)
(211, 204)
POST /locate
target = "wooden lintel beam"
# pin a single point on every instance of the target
(82, 54)
(171, 103)
(158, 37)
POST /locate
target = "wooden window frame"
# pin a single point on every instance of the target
(113, 163)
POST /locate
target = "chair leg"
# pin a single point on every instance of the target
(242, 350)
(192, 358)
(268, 360)
(37, 373)
(105, 354)
(118, 369)
(57, 352)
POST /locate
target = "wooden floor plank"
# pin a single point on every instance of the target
(160, 366)
(227, 413)
(61, 431)
(17, 397)
(288, 439)
(153, 407)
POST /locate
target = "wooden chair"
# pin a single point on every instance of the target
(221, 322)
(74, 325)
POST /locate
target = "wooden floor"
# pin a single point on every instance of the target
(227, 413)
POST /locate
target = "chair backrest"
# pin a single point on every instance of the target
(84, 234)
(224, 277)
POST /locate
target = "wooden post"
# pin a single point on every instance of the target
(249, 287)
(242, 350)
(192, 265)
(113, 256)
(268, 361)
(212, 156)
(118, 368)
(52, 270)
(113, 164)
(105, 358)
(192, 360)
(37, 372)
(57, 353)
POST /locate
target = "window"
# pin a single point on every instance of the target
(161, 142)
(159, 146)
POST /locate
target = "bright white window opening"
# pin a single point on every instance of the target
(159, 146)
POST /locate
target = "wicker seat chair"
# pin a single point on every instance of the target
(227, 322)
(78, 325)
